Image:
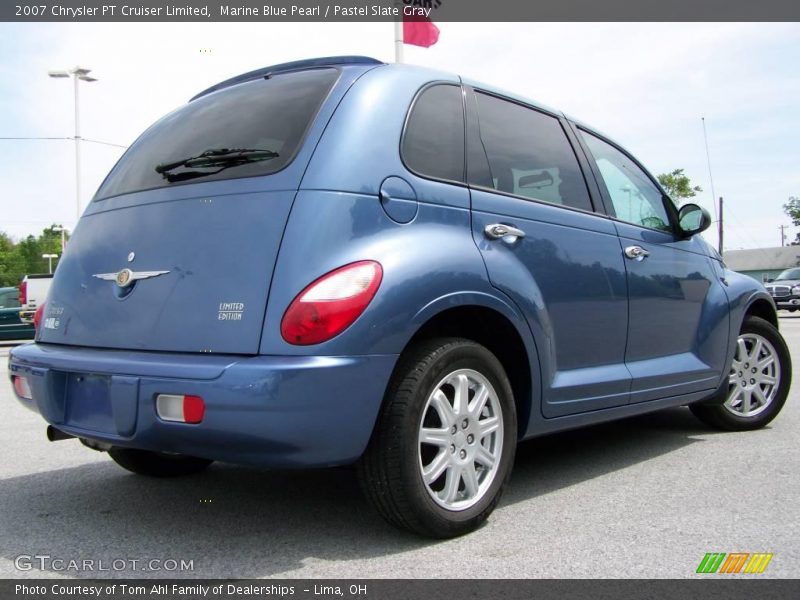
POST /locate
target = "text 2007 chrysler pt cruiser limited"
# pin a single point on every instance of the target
(340, 261)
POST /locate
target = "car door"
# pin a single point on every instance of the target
(678, 309)
(543, 246)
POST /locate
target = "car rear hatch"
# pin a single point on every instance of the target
(176, 255)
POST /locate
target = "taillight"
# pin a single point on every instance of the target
(331, 303)
(23, 292)
(37, 317)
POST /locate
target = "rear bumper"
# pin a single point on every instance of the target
(268, 410)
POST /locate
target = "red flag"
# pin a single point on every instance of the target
(419, 31)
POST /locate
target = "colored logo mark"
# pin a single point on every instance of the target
(735, 562)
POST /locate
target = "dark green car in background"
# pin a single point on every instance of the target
(11, 327)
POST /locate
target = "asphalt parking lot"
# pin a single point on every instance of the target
(645, 497)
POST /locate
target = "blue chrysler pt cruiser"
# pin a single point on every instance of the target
(341, 261)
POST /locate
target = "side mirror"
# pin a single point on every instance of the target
(693, 219)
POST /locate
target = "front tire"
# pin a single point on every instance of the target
(758, 383)
(157, 464)
(443, 446)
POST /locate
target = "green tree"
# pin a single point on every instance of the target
(51, 240)
(30, 251)
(792, 210)
(678, 186)
(24, 257)
(11, 264)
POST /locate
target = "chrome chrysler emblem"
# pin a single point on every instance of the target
(126, 277)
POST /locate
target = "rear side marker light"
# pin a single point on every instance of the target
(180, 409)
(37, 317)
(22, 387)
(331, 304)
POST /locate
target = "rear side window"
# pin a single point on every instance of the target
(270, 115)
(433, 141)
(528, 155)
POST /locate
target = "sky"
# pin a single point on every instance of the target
(646, 85)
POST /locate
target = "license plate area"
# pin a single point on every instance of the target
(88, 402)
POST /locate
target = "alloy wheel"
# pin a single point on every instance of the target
(754, 378)
(460, 439)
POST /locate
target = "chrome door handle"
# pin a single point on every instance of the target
(636, 253)
(498, 231)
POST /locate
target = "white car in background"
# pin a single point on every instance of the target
(32, 294)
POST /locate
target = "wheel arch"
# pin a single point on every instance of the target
(763, 308)
(495, 325)
(758, 304)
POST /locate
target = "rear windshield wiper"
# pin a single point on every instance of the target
(224, 158)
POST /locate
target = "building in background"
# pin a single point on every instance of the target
(763, 264)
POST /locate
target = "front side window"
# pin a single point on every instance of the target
(433, 141)
(634, 197)
(262, 123)
(528, 155)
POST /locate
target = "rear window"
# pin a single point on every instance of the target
(268, 115)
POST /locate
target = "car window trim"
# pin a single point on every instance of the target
(599, 185)
(595, 193)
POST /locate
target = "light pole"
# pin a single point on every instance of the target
(77, 74)
(63, 231)
(628, 190)
(50, 258)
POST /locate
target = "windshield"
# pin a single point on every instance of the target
(271, 114)
(788, 274)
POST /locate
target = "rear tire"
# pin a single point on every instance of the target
(759, 380)
(443, 447)
(157, 464)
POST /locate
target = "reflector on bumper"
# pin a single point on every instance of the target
(22, 387)
(180, 408)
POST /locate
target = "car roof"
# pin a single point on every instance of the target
(345, 61)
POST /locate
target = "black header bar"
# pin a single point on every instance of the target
(389, 10)
(712, 587)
